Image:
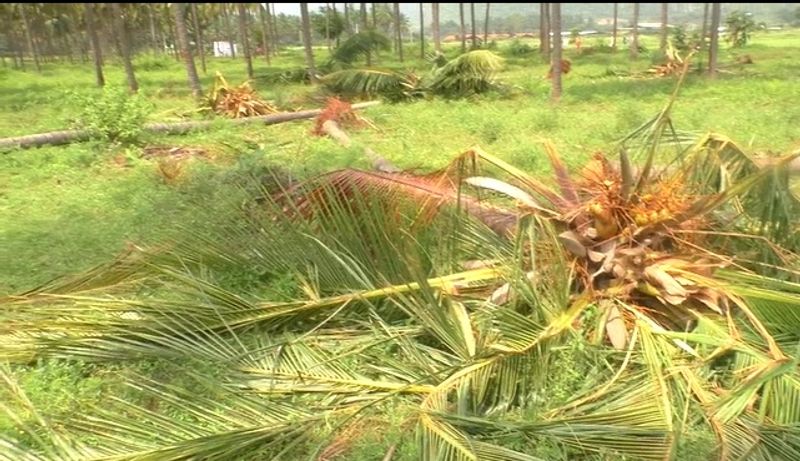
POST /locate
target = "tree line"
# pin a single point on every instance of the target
(33, 33)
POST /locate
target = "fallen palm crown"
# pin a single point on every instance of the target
(446, 302)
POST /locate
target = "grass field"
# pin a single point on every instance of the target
(66, 208)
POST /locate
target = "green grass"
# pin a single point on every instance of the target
(66, 208)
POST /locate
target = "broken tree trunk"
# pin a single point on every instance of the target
(331, 128)
(68, 136)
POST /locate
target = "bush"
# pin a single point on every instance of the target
(517, 48)
(116, 115)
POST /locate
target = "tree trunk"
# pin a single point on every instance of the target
(664, 29)
(265, 32)
(463, 29)
(421, 32)
(243, 37)
(704, 28)
(555, 21)
(124, 46)
(635, 38)
(546, 45)
(486, 27)
(173, 34)
(398, 31)
(713, 46)
(363, 18)
(275, 35)
(198, 32)
(437, 40)
(364, 27)
(28, 37)
(374, 21)
(98, 55)
(68, 136)
(153, 38)
(347, 26)
(179, 12)
(306, 26)
(472, 25)
(227, 19)
(335, 14)
(332, 129)
(614, 32)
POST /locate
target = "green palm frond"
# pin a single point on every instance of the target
(371, 83)
(471, 73)
(359, 45)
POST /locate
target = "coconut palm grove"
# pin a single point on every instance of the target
(399, 231)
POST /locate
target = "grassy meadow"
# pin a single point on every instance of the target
(66, 208)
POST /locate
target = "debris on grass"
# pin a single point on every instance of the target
(237, 101)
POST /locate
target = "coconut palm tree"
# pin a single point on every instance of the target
(179, 14)
(120, 25)
(664, 28)
(243, 16)
(23, 8)
(95, 41)
(462, 31)
(306, 28)
(437, 40)
(421, 31)
(555, 64)
(713, 46)
(635, 37)
(544, 30)
(614, 27)
(198, 32)
(398, 31)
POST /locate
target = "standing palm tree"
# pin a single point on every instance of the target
(179, 13)
(153, 36)
(486, 26)
(306, 26)
(243, 15)
(421, 31)
(704, 28)
(614, 30)
(227, 19)
(198, 31)
(98, 54)
(398, 31)
(713, 47)
(264, 14)
(664, 30)
(555, 26)
(635, 39)
(544, 31)
(462, 30)
(28, 36)
(472, 25)
(124, 46)
(437, 40)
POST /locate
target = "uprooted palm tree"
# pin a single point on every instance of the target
(452, 302)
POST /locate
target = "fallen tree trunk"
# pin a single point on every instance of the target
(69, 136)
(331, 128)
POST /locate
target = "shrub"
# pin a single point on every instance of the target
(115, 115)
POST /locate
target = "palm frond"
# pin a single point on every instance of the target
(359, 45)
(471, 73)
(370, 83)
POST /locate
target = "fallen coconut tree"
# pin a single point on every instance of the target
(70, 136)
(615, 311)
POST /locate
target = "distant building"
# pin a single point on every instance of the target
(223, 49)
